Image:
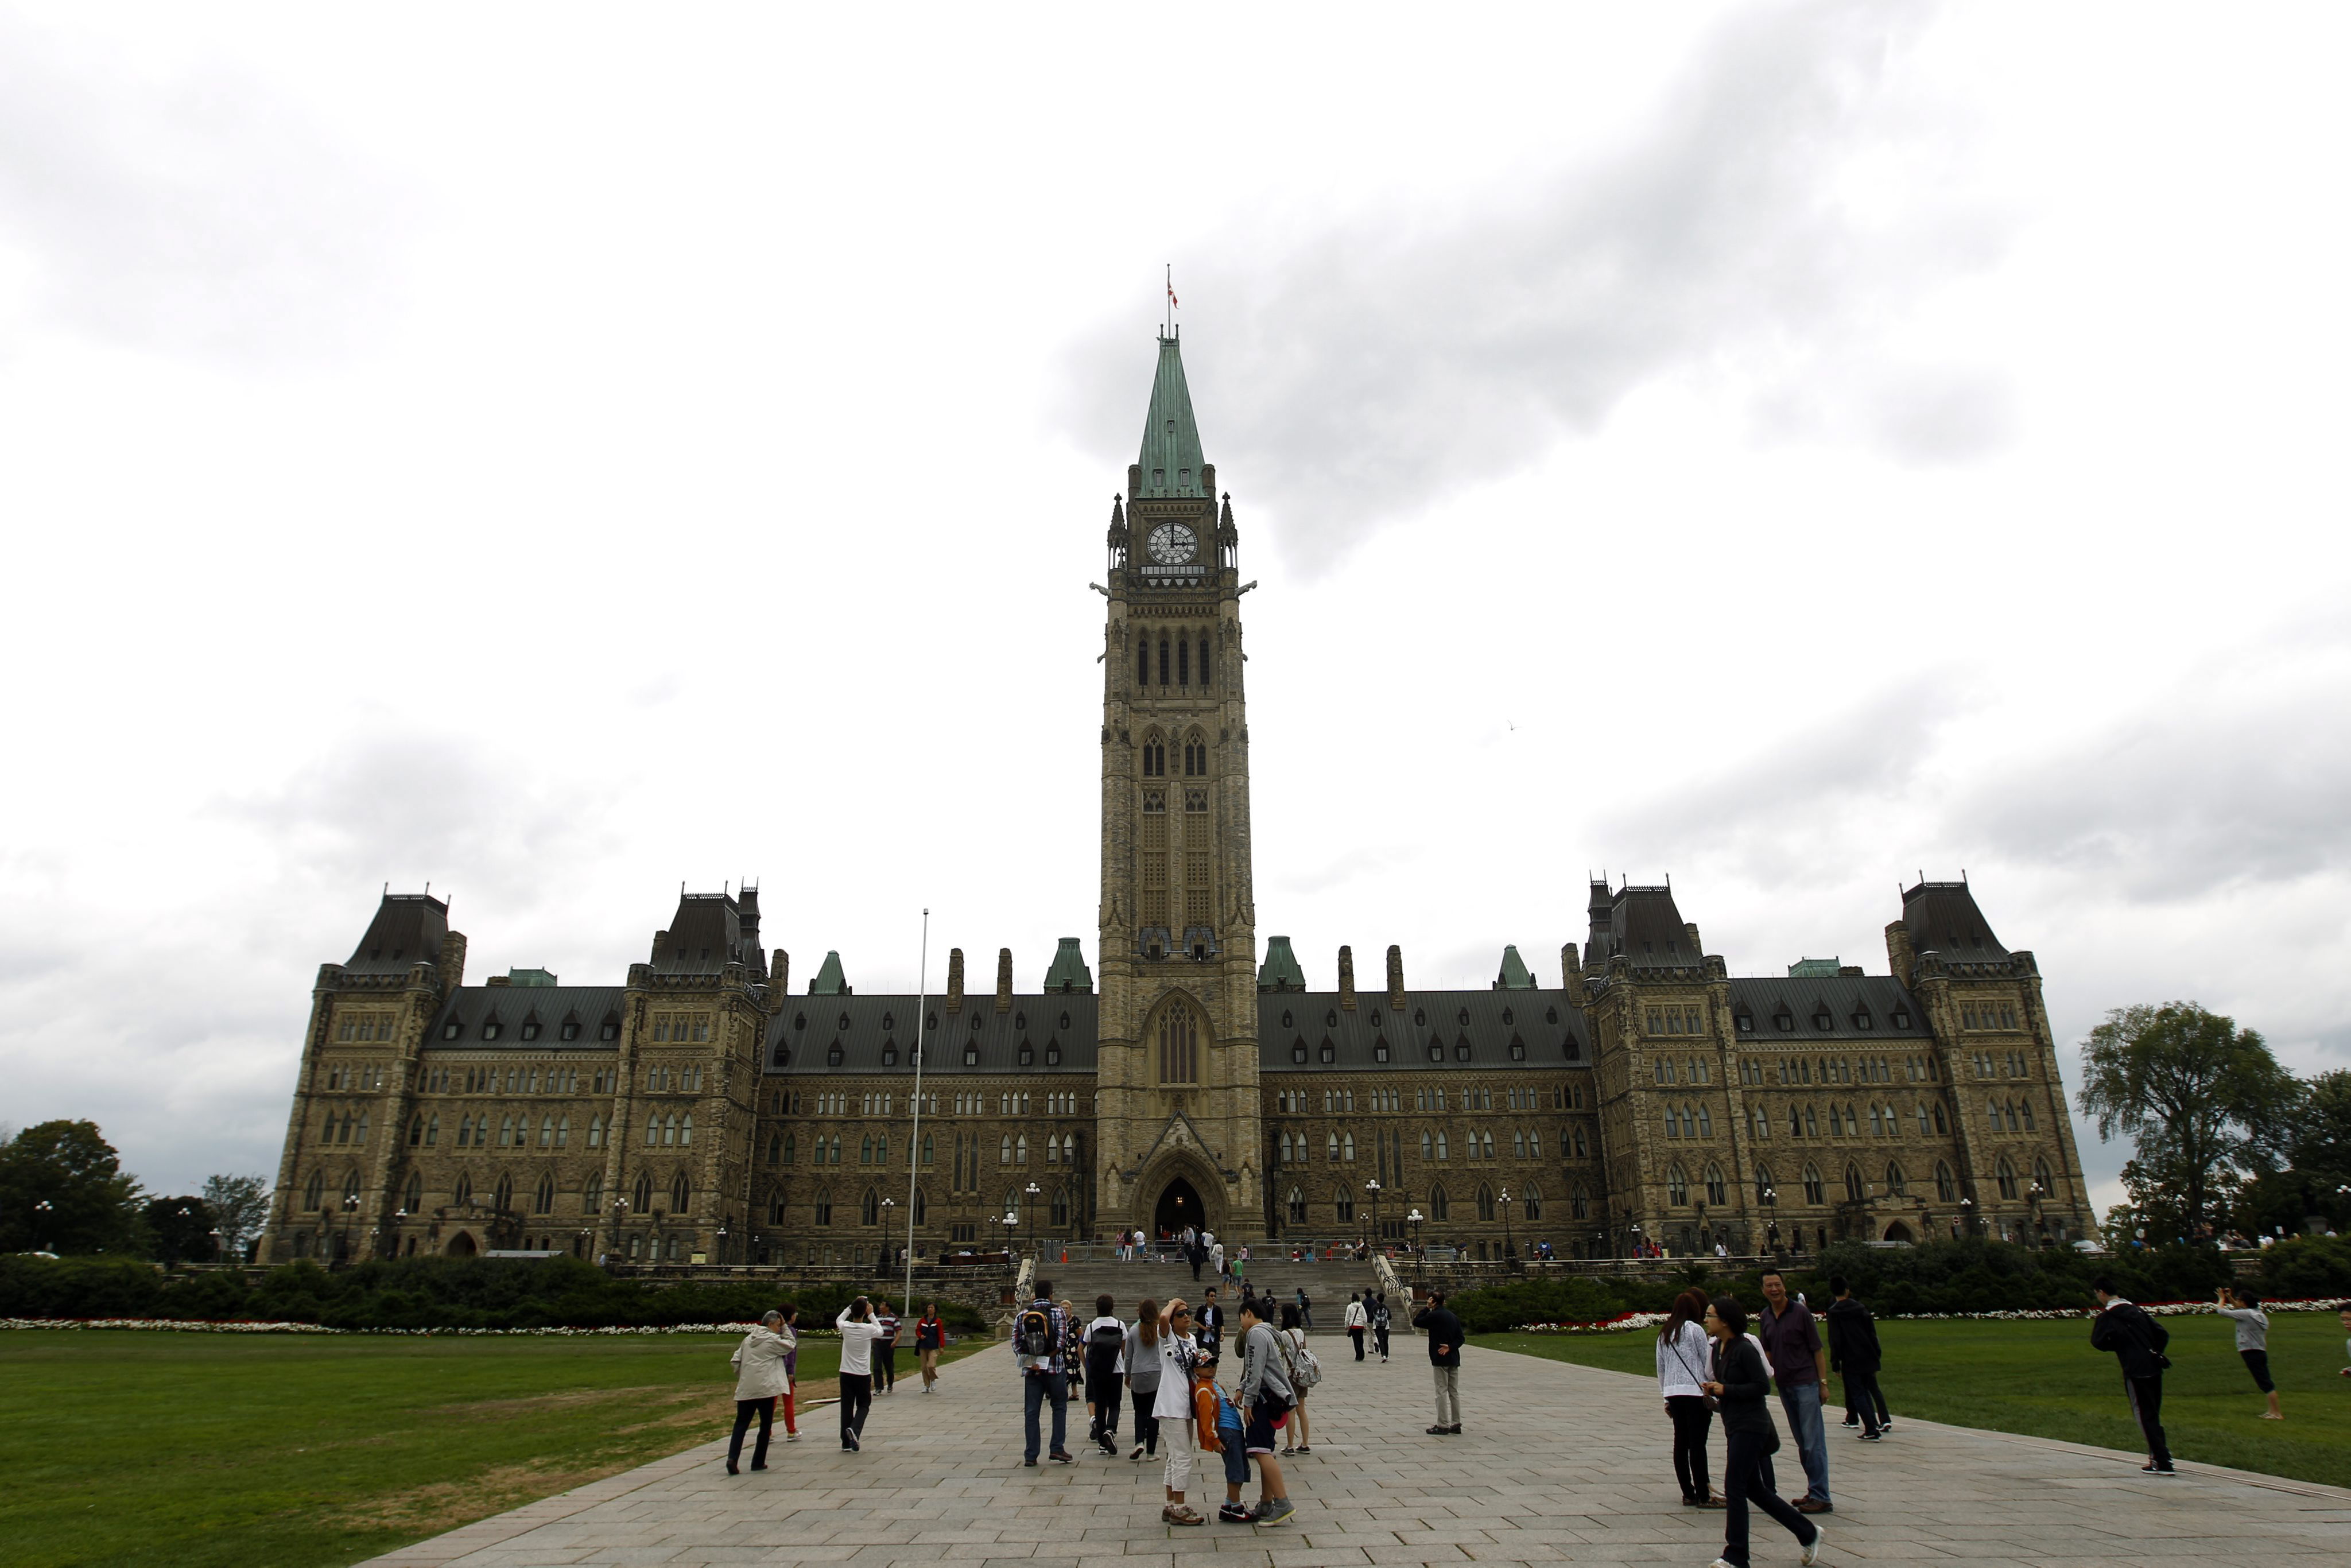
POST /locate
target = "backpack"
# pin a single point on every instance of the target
(1305, 1372)
(1107, 1336)
(1033, 1337)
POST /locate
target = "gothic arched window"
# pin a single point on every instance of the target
(1897, 1184)
(543, 1200)
(416, 1197)
(1298, 1204)
(1814, 1192)
(681, 1195)
(1163, 661)
(2007, 1177)
(1485, 1202)
(1182, 663)
(1441, 1207)
(1854, 1190)
(1716, 1191)
(1204, 668)
(1143, 663)
(643, 1200)
(1179, 1046)
(1676, 1185)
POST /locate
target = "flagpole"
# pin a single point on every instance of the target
(915, 1138)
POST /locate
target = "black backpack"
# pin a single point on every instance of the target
(1110, 1337)
(1034, 1336)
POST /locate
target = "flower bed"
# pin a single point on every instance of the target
(1628, 1321)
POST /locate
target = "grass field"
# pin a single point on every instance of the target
(286, 1451)
(2043, 1379)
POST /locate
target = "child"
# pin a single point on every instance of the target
(1221, 1415)
(2252, 1340)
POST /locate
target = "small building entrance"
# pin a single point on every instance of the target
(1179, 1206)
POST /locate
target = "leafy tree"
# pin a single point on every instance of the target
(92, 1206)
(179, 1229)
(2200, 1097)
(240, 1205)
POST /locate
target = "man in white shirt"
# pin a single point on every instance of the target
(858, 1333)
(1358, 1322)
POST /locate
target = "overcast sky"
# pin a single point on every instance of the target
(561, 452)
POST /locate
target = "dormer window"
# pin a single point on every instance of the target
(1330, 1052)
(569, 1030)
(1298, 1053)
(1861, 1017)
(1052, 1054)
(1518, 1049)
(610, 1030)
(1465, 1018)
(890, 1053)
(1507, 1019)
(491, 1030)
(1159, 478)
(1419, 1017)
(1065, 1021)
(833, 1054)
(451, 1030)
(845, 1023)
(1824, 1020)
(1379, 1049)
(1784, 1020)
(1746, 1021)
(1027, 1054)
(1436, 1051)
(889, 1023)
(971, 1056)
(1019, 1021)
(1287, 1023)
(1901, 1018)
(1183, 475)
(1331, 1019)
(530, 1026)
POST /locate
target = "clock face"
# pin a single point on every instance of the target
(1172, 543)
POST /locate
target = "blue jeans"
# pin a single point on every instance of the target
(1803, 1405)
(1042, 1385)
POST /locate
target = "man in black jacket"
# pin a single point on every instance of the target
(2137, 1342)
(1854, 1354)
(1445, 1335)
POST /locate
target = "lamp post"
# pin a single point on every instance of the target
(1373, 1186)
(1033, 1190)
(619, 1214)
(2033, 1195)
(216, 1244)
(889, 1207)
(40, 1209)
(1508, 1251)
(351, 1206)
(1420, 1259)
(722, 1246)
(585, 1240)
(1968, 1214)
(1010, 1220)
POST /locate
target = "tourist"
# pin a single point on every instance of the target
(1194, 1253)
(1240, 1263)
(759, 1378)
(1141, 1357)
(1217, 1258)
(1358, 1320)
(1738, 1387)
(1266, 1398)
(1853, 1356)
(1105, 1362)
(1799, 1362)
(1683, 1366)
(1445, 1336)
(2136, 1342)
(2252, 1341)
(1218, 1427)
(790, 1331)
(930, 1338)
(886, 1349)
(1380, 1325)
(1211, 1322)
(1039, 1336)
(1174, 1354)
(1305, 1307)
(859, 1332)
(1304, 1373)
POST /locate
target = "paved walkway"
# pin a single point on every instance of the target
(1559, 1464)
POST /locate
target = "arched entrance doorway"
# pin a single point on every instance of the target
(1897, 1231)
(460, 1246)
(1179, 1206)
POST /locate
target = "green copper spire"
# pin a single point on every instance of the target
(1171, 442)
(1514, 975)
(830, 981)
(1279, 972)
(1069, 971)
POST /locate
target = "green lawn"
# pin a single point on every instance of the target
(192, 1450)
(2043, 1379)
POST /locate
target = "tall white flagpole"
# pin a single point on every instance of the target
(915, 1138)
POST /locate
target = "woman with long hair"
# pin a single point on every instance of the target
(1738, 1386)
(1142, 1376)
(1682, 1365)
(1293, 1337)
(930, 1338)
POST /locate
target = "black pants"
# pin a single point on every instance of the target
(1146, 1425)
(856, 1399)
(1692, 1421)
(2257, 1362)
(1381, 1334)
(886, 1366)
(1195, 1269)
(1742, 1482)
(2145, 1396)
(1862, 1398)
(1357, 1335)
(765, 1409)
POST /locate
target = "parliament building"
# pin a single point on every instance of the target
(702, 1110)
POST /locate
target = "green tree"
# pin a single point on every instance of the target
(240, 1205)
(2200, 1099)
(179, 1229)
(92, 1206)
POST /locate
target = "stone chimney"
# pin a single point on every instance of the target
(1898, 951)
(1570, 975)
(1003, 979)
(1698, 949)
(452, 964)
(1347, 979)
(1396, 977)
(779, 972)
(955, 980)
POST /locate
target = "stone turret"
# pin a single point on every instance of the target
(955, 980)
(1003, 979)
(1396, 977)
(1347, 979)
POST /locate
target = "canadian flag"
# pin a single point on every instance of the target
(1172, 300)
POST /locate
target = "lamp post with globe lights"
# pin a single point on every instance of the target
(1420, 1259)
(1033, 1191)
(1373, 1187)
(889, 1207)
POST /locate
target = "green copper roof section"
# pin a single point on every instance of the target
(1069, 971)
(1812, 969)
(1171, 441)
(829, 981)
(1514, 975)
(1279, 972)
(531, 977)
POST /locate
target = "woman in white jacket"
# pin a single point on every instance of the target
(760, 1379)
(1178, 1353)
(1683, 1358)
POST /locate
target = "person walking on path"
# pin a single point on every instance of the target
(1175, 1355)
(886, 1349)
(859, 1333)
(1141, 1361)
(1211, 1323)
(1304, 1372)
(760, 1380)
(1305, 1307)
(1266, 1398)
(1380, 1325)
(1799, 1362)
(1194, 1253)
(2252, 1340)
(930, 1338)
(1853, 1356)
(1105, 1369)
(2135, 1341)
(1738, 1387)
(1039, 1337)
(1684, 1362)
(1359, 1322)
(1445, 1335)
(791, 1331)
(1216, 1260)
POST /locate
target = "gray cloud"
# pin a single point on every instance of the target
(202, 215)
(1388, 361)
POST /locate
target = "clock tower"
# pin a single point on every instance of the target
(1179, 1138)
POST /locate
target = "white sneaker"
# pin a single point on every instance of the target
(1722, 1563)
(1812, 1552)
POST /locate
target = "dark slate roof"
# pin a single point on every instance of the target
(407, 929)
(1802, 999)
(870, 1029)
(1642, 923)
(710, 931)
(1943, 919)
(473, 1005)
(1426, 1014)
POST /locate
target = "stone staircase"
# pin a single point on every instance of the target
(1327, 1285)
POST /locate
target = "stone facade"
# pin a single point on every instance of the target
(701, 1111)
